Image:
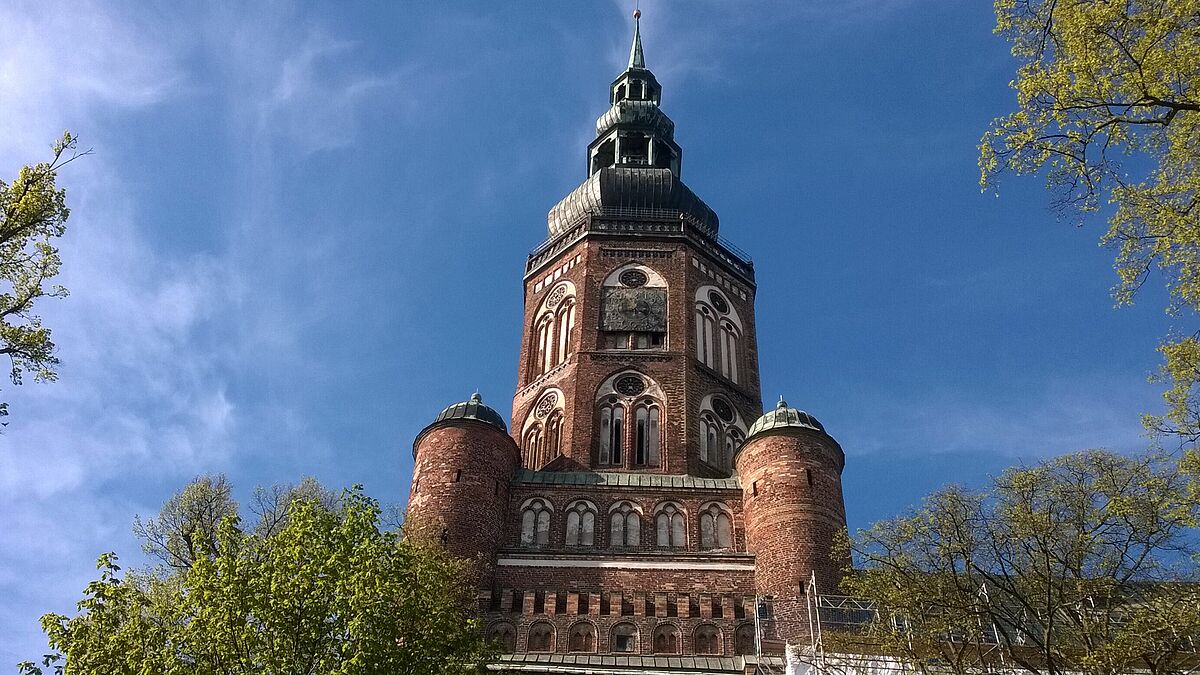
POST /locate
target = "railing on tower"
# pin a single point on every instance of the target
(645, 221)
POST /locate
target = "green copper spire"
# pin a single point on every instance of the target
(636, 58)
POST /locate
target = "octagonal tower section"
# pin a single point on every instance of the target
(790, 471)
(463, 464)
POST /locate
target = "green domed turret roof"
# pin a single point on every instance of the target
(472, 409)
(783, 417)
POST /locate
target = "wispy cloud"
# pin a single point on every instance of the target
(148, 345)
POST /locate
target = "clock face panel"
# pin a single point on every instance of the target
(718, 302)
(641, 310)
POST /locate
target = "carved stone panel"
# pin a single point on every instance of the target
(642, 310)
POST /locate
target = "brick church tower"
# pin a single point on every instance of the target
(640, 502)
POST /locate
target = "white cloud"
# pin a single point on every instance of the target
(147, 339)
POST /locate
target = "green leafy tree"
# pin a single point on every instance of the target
(33, 213)
(1082, 564)
(1108, 106)
(324, 590)
(185, 529)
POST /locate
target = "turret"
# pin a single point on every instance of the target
(791, 476)
(463, 463)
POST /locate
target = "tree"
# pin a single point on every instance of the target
(326, 590)
(1083, 564)
(186, 527)
(33, 213)
(1108, 104)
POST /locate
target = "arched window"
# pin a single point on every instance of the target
(706, 328)
(552, 332)
(666, 639)
(716, 527)
(646, 432)
(545, 344)
(505, 637)
(710, 439)
(721, 432)
(729, 351)
(581, 524)
(612, 431)
(582, 638)
(625, 638)
(533, 447)
(564, 324)
(553, 440)
(708, 639)
(743, 639)
(670, 527)
(535, 523)
(718, 332)
(541, 637)
(625, 525)
(733, 441)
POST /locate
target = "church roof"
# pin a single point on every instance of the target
(630, 191)
(471, 409)
(634, 162)
(784, 417)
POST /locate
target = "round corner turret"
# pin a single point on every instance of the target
(463, 464)
(790, 471)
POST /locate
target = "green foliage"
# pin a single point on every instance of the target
(1081, 564)
(33, 213)
(186, 527)
(1108, 105)
(324, 590)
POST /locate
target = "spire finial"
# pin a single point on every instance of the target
(636, 58)
(782, 403)
(476, 398)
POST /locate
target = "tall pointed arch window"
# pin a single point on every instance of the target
(646, 418)
(718, 333)
(564, 325)
(729, 351)
(545, 331)
(553, 441)
(722, 432)
(624, 525)
(542, 435)
(710, 439)
(629, 420)
(535, 523)
(553, 328)
(612, 431)
(581, 523)
(670, 530)
(706, 326)
(716, 527)
(533, 446)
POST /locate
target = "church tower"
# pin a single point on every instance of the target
(640, 502)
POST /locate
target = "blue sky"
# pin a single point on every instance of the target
(302, 232)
